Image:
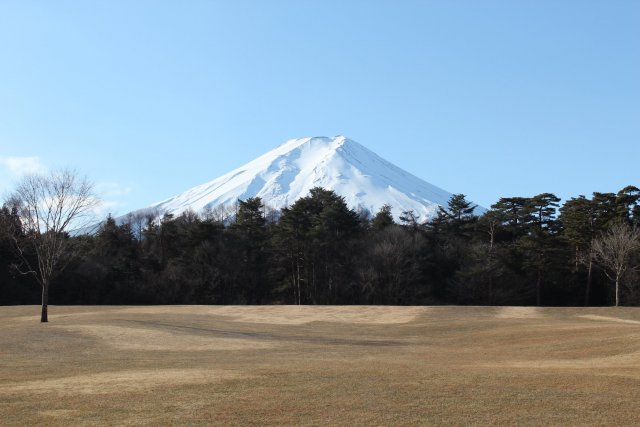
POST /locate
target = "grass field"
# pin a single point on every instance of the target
(201, 365)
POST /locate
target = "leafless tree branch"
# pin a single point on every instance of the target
(613, 249)
(48, 207)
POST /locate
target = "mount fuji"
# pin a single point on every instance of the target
(288, 172)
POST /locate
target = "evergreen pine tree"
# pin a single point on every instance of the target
(539, 243)
(383, 218)
(628, 204)
(578, 219)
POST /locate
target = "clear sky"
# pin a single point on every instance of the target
(486, 98)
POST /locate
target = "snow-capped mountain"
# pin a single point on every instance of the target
(288, 172)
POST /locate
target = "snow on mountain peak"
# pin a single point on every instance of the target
(291, 170)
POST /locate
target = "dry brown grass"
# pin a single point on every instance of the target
(118, 381)
(186, 365)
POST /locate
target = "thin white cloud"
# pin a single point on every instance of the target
(111, 195)
(104, 208)
(112, 189)
(18, 166)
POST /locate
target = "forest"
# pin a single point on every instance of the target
(522, 251)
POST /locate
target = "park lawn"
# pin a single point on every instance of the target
(319, 365)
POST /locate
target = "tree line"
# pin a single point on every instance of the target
(522, 251)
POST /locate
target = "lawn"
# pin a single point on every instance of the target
(319, 365)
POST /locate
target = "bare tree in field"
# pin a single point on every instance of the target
(48, 207)
(613, 249)
(138, 221)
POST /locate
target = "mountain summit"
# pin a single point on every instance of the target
(288, 172)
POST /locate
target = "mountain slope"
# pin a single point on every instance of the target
(288, 172)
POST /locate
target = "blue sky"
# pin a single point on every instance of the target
(486, 98)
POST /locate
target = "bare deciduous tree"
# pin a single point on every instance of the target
(388, 264)
(48, 207)
(137, 221)
(219, 213)
(613, 249)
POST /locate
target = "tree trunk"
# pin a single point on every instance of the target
(617, 290)
(298, 282)
(587, 295)
(491, 289)
(293, 280)
(538, 291)
(45, 302)
(491, 269)
(315, 289)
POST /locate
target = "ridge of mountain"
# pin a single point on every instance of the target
(288, 172)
